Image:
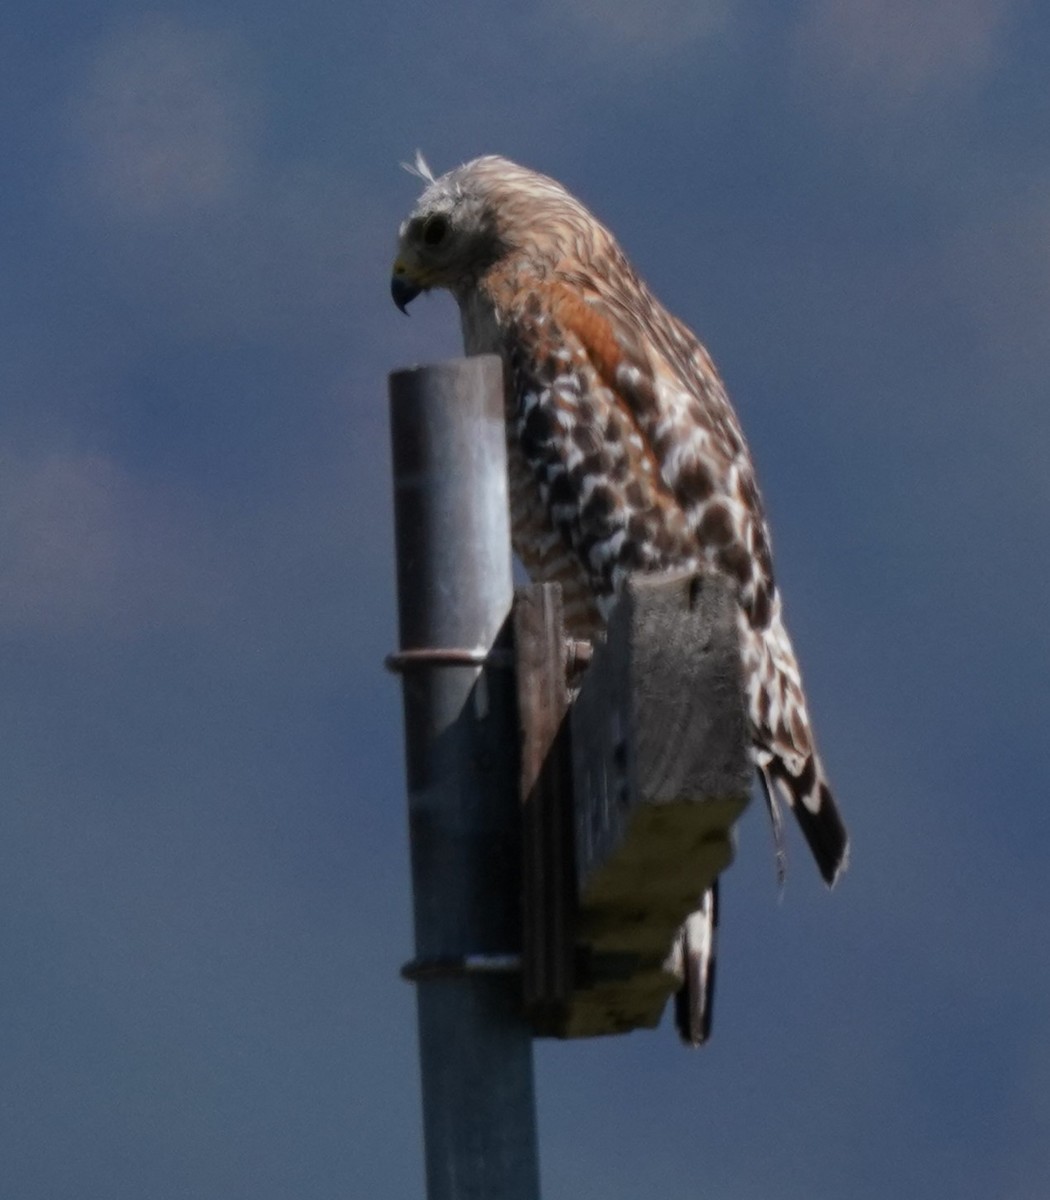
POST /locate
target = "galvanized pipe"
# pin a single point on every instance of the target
(454, 596)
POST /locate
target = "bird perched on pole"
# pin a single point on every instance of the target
(625, 456)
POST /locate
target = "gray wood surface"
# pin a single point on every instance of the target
(657, 747)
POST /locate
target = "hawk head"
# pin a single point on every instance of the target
(476, 216)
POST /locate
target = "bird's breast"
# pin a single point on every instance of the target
(541, 548)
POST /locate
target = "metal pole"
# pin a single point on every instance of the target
(454, 595)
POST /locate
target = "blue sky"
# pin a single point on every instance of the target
(203, 865)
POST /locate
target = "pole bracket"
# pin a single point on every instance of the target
(454, 966)
(402, 661)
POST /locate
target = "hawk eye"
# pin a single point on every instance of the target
(435, 230)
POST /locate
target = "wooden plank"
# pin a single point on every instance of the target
(661, 771)
(629, 800)
(548, 868)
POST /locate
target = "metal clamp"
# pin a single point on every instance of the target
(454, 966)
(449, 656)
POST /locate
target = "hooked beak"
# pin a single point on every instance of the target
(403, 290)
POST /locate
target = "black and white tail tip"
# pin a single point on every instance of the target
(809, 798)
(693, 957)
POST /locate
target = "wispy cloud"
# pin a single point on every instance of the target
(193, 221)
(998, 264)
(83, 546)
(661, 29)
(897, 52)
(164, 119)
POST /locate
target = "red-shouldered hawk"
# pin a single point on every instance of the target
(625, 455)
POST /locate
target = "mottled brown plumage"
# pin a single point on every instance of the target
(625, 454)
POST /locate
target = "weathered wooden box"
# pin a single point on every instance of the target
(630, 788)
